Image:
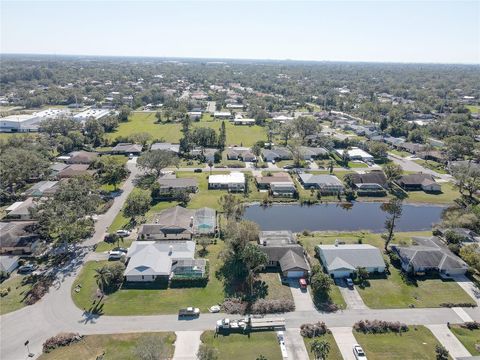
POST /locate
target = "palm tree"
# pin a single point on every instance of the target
(102, 277)
(255, 260)
(320, 349)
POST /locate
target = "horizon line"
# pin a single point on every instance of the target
(242, 59)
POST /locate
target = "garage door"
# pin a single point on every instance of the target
(341, 274)
(295, 274)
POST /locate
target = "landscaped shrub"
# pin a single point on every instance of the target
(63, 339)
(4, 292)
(314, 330)
(327, 306)
(188, 281)
(451, 305)
(264, 306)
(234, 306)
(379, 326)
(39, 289)
(471, 325)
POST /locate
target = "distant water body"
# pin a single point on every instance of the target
(336, 217)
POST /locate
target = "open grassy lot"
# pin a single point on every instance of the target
(423, 292)
(447, 196)
(171, 132)
(469, 338)
(416, 344)
(334, 353)
(276, 290)
(114, 346)
(433, 165)
(473, 108)
(244, 347)
(14, 300)
(150, 301)
(399, 153)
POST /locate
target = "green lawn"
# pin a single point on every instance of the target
(414, 344)
(334, 353)
(433, 165)
(447, 196)
(114, 346)
(426, 292)
(104, 246)
(244, 347)
(469, 338)
(353, 164)
(399, 153)
(151, 301)
(473, 108)
(171, 132)
(276, 290)
(13, 301)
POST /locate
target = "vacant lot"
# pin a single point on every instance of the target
(14, 300)
(414, 344)
(171, 132)
(115, 346)
(150, 301)
(469, 338)
(244, 347)
(334, 353)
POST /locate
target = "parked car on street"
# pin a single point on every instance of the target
(121, 249)
(359, 353)
(198, 170)
(189, 312)
(123, 232)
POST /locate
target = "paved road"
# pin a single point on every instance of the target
(449, 341)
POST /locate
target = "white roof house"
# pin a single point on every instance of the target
(149, 259)
(356, 153)
(282, 118)
(223, 115)
(233, 181)
(243, 121)
(342, 260)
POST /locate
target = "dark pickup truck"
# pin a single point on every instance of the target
(189, 312)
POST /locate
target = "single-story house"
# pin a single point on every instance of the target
(410, 147)
(308, 152)
(194, 115)
(20, 210)
(372, 177)
(276, 154)
(82, 157)
(429, 254)
(240, 153)
(153, 260)
(341, 261)
(171, 183)
(282, 118)
(222, 115)
(56, 167)
(8, 263)
(178, 223)
(243, 121)
(264, 181)
(205, 154)
(420, 181)
(175, 148)
(127, 149)
(284, 252)
(283, 189)
(42, 188)
(435, 155)
(235, 181)
(75, 170)
(356, 153)
(18, 238)
(327, 184)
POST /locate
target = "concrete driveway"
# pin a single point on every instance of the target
(351, 296)
(468, 286)
(345, 341)
(449, 340)
(295, 345)
(186, 345)
(301, 297)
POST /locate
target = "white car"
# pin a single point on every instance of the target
(359, 353)
(123, 232)
(115, 255)
(214, 309)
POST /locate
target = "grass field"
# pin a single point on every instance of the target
(469, 338)
(334, 353)
(13, 301)
(399, 153)
(276, 290)
(432, 165)
(413, 345)
(114, 346)
(447, 196)
(171, 132)
(473, 108)
(244, 347)
(150, 301)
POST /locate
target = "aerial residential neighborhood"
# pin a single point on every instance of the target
(201, 180)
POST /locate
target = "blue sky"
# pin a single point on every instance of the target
(393, 31)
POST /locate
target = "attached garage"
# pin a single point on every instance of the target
(295, 274)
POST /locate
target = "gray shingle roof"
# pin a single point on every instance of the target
(350, 256)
